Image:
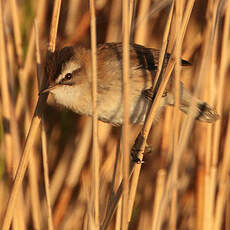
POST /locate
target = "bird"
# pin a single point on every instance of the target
(68, 78)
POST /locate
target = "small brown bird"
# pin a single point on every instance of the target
(68, 73)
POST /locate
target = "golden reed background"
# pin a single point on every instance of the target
(180, 186)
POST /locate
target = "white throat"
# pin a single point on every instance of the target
(67, 95)
(73, 98)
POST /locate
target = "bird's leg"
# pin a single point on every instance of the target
(137, 147)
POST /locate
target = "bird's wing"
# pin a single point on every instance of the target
(140, 57)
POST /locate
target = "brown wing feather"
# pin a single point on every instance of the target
(140, 56)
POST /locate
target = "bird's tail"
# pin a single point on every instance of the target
(203, 111)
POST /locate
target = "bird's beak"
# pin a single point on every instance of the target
(42, 91)
(47, 90)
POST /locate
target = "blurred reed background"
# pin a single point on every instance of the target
(183, 184)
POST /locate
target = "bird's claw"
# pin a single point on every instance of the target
(135, 158)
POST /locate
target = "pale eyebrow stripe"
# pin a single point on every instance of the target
(68, 68)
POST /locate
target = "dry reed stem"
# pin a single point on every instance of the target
(118, 194)
(145, 217)
(21, 169)
(104, 131)
(206, 61)
(132, 15)
(107, 165)
(72, 179)
(203, 73)
(41, 14)
(176, 116)
(224, 61)
(207, 201)
(46, 175)
(54, 25)
(60, 169)
(38, 55)
(126, 103)
(75, 213)
(157, 6)
(170, 181)
(10, 50)
(36, 209)
(132, 192)
(118, 215)
(72, 16)
(141, 34)
(35, 199)
(43, 134)
(113, 206)
(166, 146)
(167, 121)
(159, 93)
(227, 214)
(95, 157)
(11, 135)
(211, 29)
(119, 205)
(159, 191)
(200, 190)
(25, 71)
(17, 33)
(82, 29)
(196, 42)
(210, 170)
(116, 180)
(19, 219)
(223, 188)
(58, 179)
(161, 59)
(6, 114)
(62, 206)
(21, 103)
(31, 134)
(113, 32)
(80, 156)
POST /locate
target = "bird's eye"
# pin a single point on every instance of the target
(68, 76)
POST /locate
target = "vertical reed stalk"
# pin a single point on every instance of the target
(159, 192)
(74, 173)
(96, 159)
(43, 134)
(176, 113)
(126, 103)
(46, 175)
(32, 131)
(142, 30)
(224, 188)
(5, 96)
(113, 33)
(17, 33)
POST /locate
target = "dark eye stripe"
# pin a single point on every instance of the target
(69, 76)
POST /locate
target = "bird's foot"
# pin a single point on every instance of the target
(135, 152)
